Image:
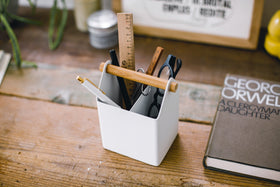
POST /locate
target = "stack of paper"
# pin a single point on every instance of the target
(4, 62)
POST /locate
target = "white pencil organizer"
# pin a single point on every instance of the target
(132, 133)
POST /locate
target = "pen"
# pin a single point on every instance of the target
(121, 81)
(96, 91)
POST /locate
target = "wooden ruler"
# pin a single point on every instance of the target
(126, 46)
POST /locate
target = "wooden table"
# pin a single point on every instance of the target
(44, 143)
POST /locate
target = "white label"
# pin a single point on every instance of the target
(230, 18)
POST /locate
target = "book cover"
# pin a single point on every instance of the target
(4, 63)
(245, 136)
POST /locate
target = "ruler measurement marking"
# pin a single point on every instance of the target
(126, 46)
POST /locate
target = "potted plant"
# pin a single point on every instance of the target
(8, 14)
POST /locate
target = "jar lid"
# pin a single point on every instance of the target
(102, 19)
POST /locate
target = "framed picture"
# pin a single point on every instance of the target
(232, 23)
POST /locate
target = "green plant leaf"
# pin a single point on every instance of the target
(54, 43)
(25, 20)
(29, 64)
(12, 36)
(3, 6)
(32, 5)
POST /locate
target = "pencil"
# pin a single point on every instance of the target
(96, 91)
(154, 62)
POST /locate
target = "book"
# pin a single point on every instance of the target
(245, 137)
(4, 62)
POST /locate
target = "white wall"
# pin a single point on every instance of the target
(41, 3)
(270, 7)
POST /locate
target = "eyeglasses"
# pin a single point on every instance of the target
(166, 71)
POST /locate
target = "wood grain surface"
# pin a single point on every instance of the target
(49, 128)
(198, 102)
(49, 144)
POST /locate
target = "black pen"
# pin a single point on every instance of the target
(123, 89)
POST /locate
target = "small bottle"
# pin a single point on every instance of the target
(272, 39)
(82, 10)
(103, 29)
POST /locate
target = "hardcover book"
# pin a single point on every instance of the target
(245, 136)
